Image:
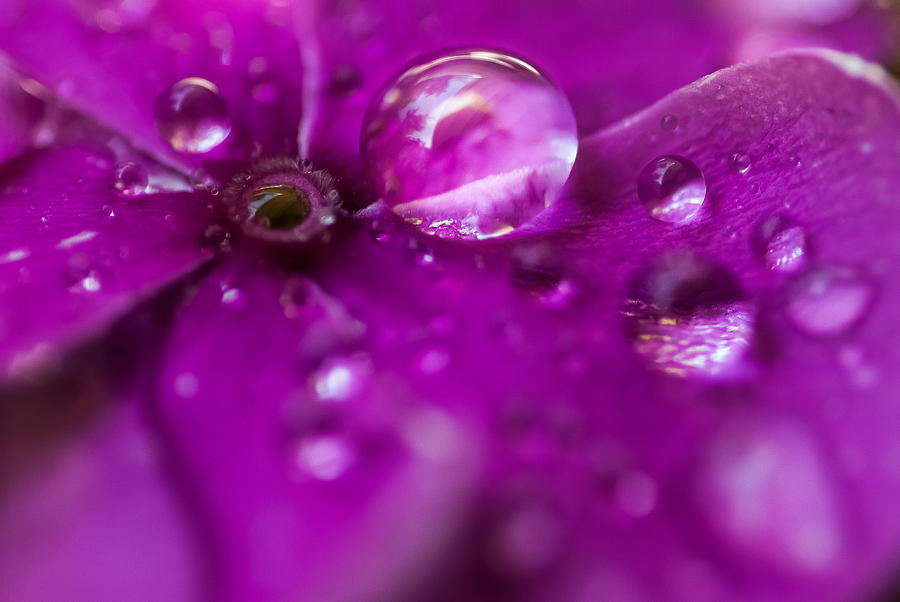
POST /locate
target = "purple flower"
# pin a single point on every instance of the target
(229, 375)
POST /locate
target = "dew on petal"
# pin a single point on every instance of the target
(739, 162)
(672, 189)
(764, 490)
(469, 143)
(668, 123)
(828, 301)
(341, 378)
(687, 317)
(780, 244)
(191, 116)
(131, 179)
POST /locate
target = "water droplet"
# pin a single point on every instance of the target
(668, 123)
(469, 144)
(780, 244)
(131, 179)
(687, 317)
(739, 162)
(192, 116)
(765, 491)
(279, 206)
(672, 189)
(324, 457)
(345, 81)
(828, 301)
(234, 298)
(341, 378)
(214, 235)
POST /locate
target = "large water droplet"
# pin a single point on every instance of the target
(780, 244)
(672, 189)
(765, 491)
(470, 143)
(687, 317)
(131, 179)
(192, 116)
(828, 301)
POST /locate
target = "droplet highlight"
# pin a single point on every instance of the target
(131, 179)
(672, 189)
(739, 163)
(192, 116)
(470, 143)
(780, 244)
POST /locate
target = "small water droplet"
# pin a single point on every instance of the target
(279, 207)
(668, 123)
(341, 378)
(739, 162)
(214, 235)
(234, 298)
(687, 317)
(324, 457)
(469, 144)
(191, 116)
(780, 244)
(828, 301)
(131, 179)
(672, 189)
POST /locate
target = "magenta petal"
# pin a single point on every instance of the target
(74, 256)
(312, 470)
(111, 60)
(19, 113)
(97, 521)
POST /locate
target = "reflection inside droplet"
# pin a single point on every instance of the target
(469, 143)
(191, 116)
(687, 317)
(672, 189)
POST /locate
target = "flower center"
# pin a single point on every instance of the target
(279, 206)
(283, 201)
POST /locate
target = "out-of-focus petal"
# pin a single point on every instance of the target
(95, 519)
(75, 256)
(325, 476)
(18, 114)
(111, 59)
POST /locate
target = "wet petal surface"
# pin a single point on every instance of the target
(75, 256)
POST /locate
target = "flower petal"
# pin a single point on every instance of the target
(111, 60)
(75, 256)
(20, 112)
(95, 519)
(312, 462)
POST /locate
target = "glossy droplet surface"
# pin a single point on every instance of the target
(668, 123)
(672, 189)
(191, 116)
(131, 179)
(739, 162)
(780, 244)
(279, 206)
(469, 143)
(828, 301)
(687, 317)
